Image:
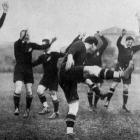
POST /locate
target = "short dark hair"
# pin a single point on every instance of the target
(91, 40)
(129, 38)
(25, 31)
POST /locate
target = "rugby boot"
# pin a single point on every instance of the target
(125, 109)
(16, 112)
(44, 111)
(54, 115)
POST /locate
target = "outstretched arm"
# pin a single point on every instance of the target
(5, 9)
(35, 46)
(136, 48)
(103, 42)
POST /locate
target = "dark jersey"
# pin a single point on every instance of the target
(23, 52)
(78, 52)
(125, 54)
(75, 39)
(49, 62)
(96, 57)
(2, 19)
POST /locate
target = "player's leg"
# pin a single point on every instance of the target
(55, 101)
(89, 94)
(40, 91)
(28, 81)
(125, 96)
(16, 96)
(111, 92)
(90, 71)
(29, 97)
(70, 91)
(96, 89)
(70, 119)
(94, 86)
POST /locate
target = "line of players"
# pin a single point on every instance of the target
(68, 69)
(81, 62)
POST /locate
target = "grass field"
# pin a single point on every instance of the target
(111, 124)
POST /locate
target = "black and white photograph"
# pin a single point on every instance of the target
(70, 69)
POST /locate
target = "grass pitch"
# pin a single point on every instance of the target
(111, 124)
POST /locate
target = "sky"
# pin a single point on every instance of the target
(66, 18)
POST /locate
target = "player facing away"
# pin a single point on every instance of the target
(125, 55)
(23, 72)
(72, 71)
(5, 10)
(49, 80)
(95, 58)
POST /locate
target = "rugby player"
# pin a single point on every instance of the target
(5, 10)
(95, 58)
(23, 72)
(72, 71)
(49, 80)
(77, 38)
(125, 55)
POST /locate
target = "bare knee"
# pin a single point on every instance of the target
(40, 90)
(91, 71)
(18, 87)
(125, 87)
(29, 89)
(114, 85)
(53, 95)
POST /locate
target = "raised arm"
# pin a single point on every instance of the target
(119, 44)
(104, 46)
(5, 9)
(78, 37)
(102, 41)
(75, 39)
(53, 40)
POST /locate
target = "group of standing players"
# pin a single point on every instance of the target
(81, 62)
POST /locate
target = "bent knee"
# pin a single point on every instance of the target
(92, 70)
(125, 87)
(18, 89)
(40, 90)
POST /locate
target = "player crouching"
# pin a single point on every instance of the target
(49, 79)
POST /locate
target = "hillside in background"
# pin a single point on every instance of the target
(7, 60)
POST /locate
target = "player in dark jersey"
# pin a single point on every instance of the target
(77, 38)
(49, 80)
(23, 73)
(72, 71)
(95, 58)
(125, 55)
(5, 10)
